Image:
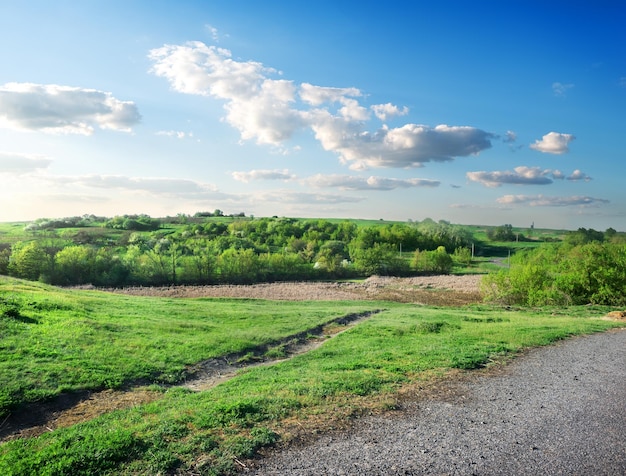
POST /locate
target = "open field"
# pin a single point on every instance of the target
(57, 344)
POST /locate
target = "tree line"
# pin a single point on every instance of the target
(212, 250)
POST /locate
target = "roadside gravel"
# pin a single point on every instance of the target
(557, 410)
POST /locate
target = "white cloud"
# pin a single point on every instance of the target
(257, 106)
(349, 182)
(553, 143)
(291, 197)
(560, 89)
(63, 109)
(263, 175)
(152, 185)
(384, 111)
(270, 111)
(510, 137)
(213, 32)
(543, 201)
(318, 95)
(411, 145)
(20, 164)
(521, 175)
(177, 134)
(578, 175)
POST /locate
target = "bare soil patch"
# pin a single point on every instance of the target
(429, 290)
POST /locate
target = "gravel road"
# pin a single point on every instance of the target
(558, 410)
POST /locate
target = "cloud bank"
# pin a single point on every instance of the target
(63, 109)
(348, 182)
(523, 175)
(543, 201)
(270, 110)
(21, 164)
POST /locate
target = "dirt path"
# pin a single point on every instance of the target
(70, 409)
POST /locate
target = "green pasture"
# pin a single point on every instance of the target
(56, 341)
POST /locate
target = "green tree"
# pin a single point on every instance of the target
(74, 265)
(332, 257)
(382, 259)
(29, 261)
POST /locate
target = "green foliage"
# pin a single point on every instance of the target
(134, 222)
(433, 262)
(582, 236)
(593, 273)
(29, 261)
(462, 256)
(504, 233)
(381, 259)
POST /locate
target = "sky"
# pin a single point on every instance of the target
(484, 113)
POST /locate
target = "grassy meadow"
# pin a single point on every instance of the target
(54, 341)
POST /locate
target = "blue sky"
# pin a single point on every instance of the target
(486, 112)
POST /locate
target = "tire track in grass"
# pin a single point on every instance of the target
(72, 408)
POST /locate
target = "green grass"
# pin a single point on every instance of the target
(53, 341)
(207, 432)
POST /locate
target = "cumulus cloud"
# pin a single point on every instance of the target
(523, 175)
(553, 143)
(20, 164)
(577, 175)
(384, 111)
(270, 111)
(560, 89)
(63, 109)
(349, 182)
(543, 201)
(411, 145)
(263, 175)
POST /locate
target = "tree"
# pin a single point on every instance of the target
(502, 233)
(74, 265)
(29, 261)
(332, 256)
(382, 259)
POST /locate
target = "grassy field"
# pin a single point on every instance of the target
(54, 341)
(61, 340)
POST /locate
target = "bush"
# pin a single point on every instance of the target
(435, 262)
(593, 273)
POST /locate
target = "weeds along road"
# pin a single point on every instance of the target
(558, 410)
